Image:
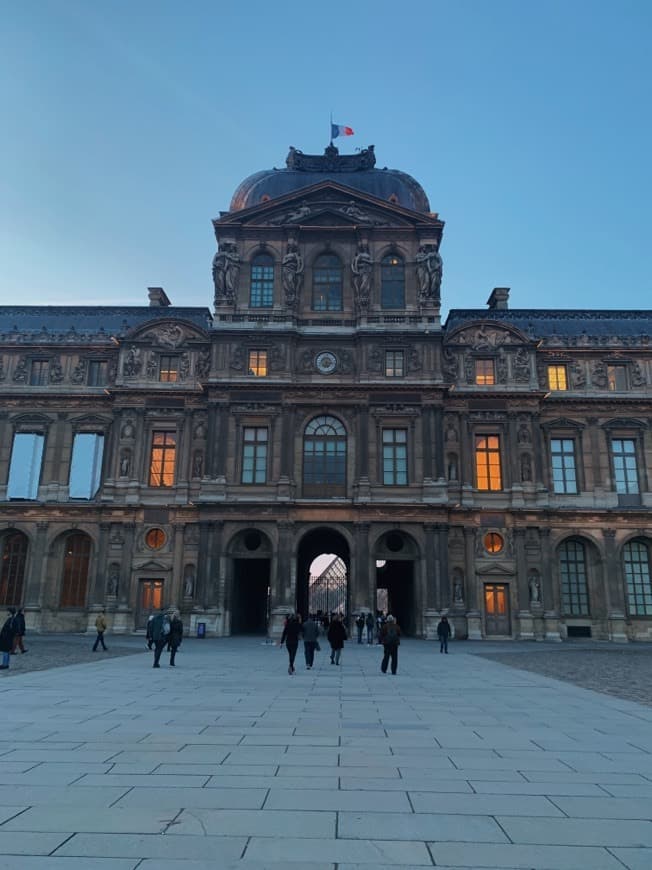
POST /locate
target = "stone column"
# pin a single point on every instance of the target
(432, 582)
(426, 423)
(615, 592)
(363, 587)
(551, 600)
(97, 592)
(439, 471)
(175, 592)
(525, 621)
(473, 616)
(211, 442)
(441, 559)
(37, 576)
(283, 596)
(126, 595)
(222, 442)
(203, 565)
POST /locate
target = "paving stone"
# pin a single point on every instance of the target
(502, 857)
(190, 798)
(53, 863)
(483, 804)
(388, 802)
(395, 854)
(252, 823)
(154, 846)
(420, 827)
(577, 832)
(634, 859)
(31, 843)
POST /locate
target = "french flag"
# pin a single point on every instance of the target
(340, 130)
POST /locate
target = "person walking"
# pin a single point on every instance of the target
(148, 631)
(336, 637)
(290, 638)
(310, 641)
(390, 637)
(359, 624)
(7, 639)
(443, 633)
(19, 632)
(176, 635)
(100, 628)
(160, 633)
(371, 624)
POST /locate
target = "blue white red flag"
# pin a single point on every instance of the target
(340, 130)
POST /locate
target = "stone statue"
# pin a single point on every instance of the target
(203, 364)
(151, 367)
(452, 466)
(526, 468)
(292, 272)
(226, 270)
(501, 368)
(128, 430)
(133, 364)
(197, 464)
(523, 436)
(112, 582)
(577, 375)
(430, 268)
(450, 364)
(535, 588)
(521, 366)
(362, 268)
(125, 463)
(184, 367)
(189, 582)
(78, 375)
(458, 592)
(20, 372)
(56, 371)
(294, 217)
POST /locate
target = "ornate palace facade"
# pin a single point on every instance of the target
(494, 467)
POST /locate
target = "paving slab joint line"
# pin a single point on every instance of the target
(620, 861)
(244, 848)
(56, 848)
(502, 829)
(131, 788)
(175, 817)
(19, 813)
(267, 794)
(550, 800)
(429, 851)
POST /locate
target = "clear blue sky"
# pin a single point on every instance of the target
(127, 126)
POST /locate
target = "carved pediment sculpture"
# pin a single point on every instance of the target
(485, 336)
(450, 364)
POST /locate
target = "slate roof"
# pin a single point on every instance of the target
(541, 323)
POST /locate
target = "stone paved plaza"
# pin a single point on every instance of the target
(226, 761)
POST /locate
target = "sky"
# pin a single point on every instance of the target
(128, 125)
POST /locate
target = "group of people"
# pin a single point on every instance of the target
(366, 622)
(164, 629)
(11, 635)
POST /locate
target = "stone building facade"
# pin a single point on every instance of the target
(494, 467)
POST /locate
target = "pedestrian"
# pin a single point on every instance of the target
(359, 623)
(443, 633)
(19, 631)
(148, 631)
(336, 637)
(7, 639)
(176, 635)
(310, 641)
(160, 633)
(380, 622)
(100, 627)
(390, 637)
(290, 638)
(370, 623)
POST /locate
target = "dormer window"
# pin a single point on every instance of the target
(168, 369)
(39, 373)
(484, 372)
(617, 377)
(262, 282)
(257, 363)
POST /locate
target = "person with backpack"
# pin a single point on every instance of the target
(175, 636)
(443, 633)
(310, 631)
(160, 634)
(19, 631)
(7, 639)
(100, 628)
(359, 624)
(336, 637)
(390, 637)
(149, 640)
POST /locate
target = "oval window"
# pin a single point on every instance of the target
(155, 539)
(493, 542)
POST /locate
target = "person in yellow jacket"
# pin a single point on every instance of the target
(100, 626)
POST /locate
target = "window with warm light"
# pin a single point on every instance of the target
(394, 363)
(493, 542)
(155, 538)
(557, 379)
(327, 283)
(487, 463)
(163, 458)
(76, 559)
(617, 377)
(484, 372)
(168, 369)
(257, 363)
(392, 282)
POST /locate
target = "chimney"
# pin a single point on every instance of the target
(158, 298)
(499, 299)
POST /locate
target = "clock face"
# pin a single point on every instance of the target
(326, 362)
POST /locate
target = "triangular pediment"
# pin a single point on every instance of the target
(496, 569)
(169, 333)
(152, 565)
(487, 335)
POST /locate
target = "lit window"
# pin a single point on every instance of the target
(261, 293)
(557, 378)
(97, 372)
(493, 542)
(484, 372)
(164, 449)
(327, 283)
(564, 478)
(623, 451)
(487, 462)
(254, 455)
(39, 373)
(25, 467)
(572, 571)
(155, 538)
(392, 282)
(394, 364)
(86, 465)
(76, 559)
(258, 363)
(636, 557)
(13, 558)
(395, 457)
(617, 377)
(168, 369)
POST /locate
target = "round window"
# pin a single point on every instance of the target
(252, 540)
(155, 539)
(394, 542)
(493, 542)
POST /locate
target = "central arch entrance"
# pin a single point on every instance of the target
(333, 593)
(396, 557)
(251, 555)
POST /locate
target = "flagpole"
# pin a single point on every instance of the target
(330, 130)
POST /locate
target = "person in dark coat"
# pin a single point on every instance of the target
(176, 635)
(359, 624)
(336, 637)
(7, 639)
(371, 624)
(443, 633)
(290, 638)
(19, 631)
(390, 637)
(160, 632)
(310, 632)
(148, 631)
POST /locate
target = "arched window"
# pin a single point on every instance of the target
(324, 457)
(13, 552)
(572, 572)
(261, 293)
(392, 282)
(636, 558)
(76, 559)
(327, 283)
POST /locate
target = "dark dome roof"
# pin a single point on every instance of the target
(352, 170)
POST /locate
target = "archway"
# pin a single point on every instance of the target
(251, 553)
(396, 554)
(333, 593)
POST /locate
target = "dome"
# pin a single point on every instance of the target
(357, 171)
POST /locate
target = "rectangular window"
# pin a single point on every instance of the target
(395, 457)
(623, 451)
(394, 364)
(254, 455)
(484, 372)
(637, 574)
(25, 467)
(564, 477)
(262, 283)
(487, 463)
(168, 371)
(164, 451)
(258, 363)
(86, 465)
(39, 372)
(557, 378)
(617, 377)
(98, 370)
